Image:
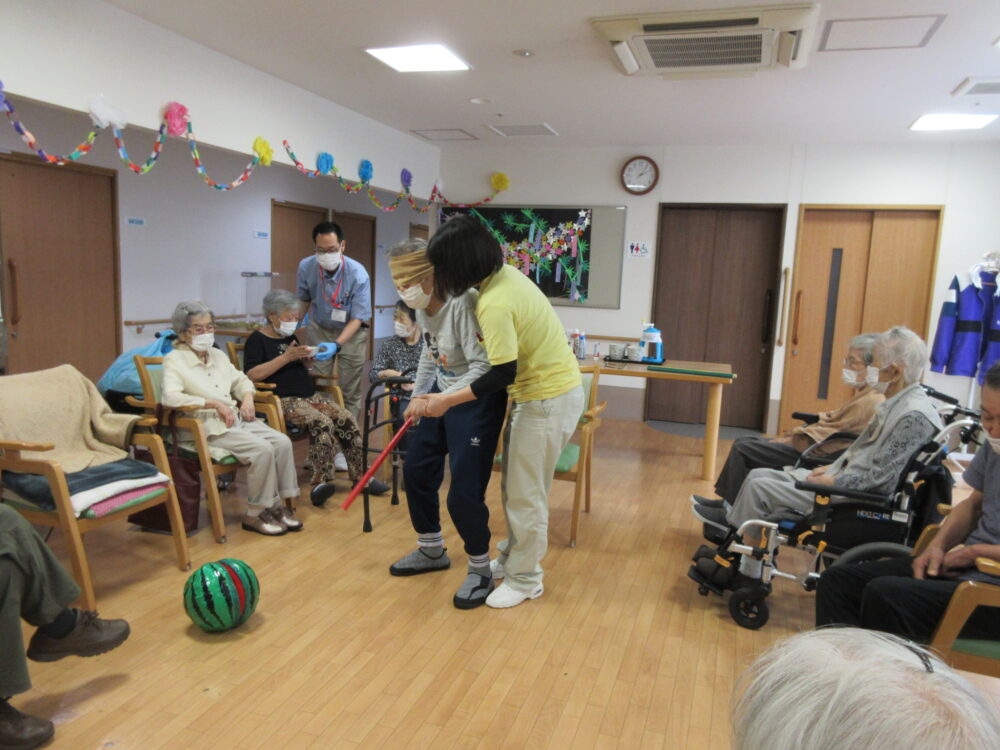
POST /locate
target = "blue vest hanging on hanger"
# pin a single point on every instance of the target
(968, 310)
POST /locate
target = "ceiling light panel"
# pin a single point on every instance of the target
(445, 134)
(944, 121)
(511, 131)
(419, 58)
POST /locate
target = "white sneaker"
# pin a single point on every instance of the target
(496, 568)
(504, 596)
(340, 462)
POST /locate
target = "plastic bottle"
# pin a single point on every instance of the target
(582, 354)
(597, 351)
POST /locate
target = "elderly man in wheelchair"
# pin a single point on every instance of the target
(869, 470)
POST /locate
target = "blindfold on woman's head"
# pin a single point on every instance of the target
(410, 269)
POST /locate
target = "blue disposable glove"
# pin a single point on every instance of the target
(326, 350)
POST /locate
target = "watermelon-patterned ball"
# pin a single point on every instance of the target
(221, 595)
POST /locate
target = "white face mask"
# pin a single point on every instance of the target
(288, 327)
(994, 443)
(329, 261)
(203, 342)
(871, 378)
(402, 330)
(850, 377)
(415, 297)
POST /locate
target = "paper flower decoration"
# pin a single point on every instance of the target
(406, 178)
(499, 181)
(263, 150)
(324, 163)
(104, 114)
(365, 171)
(176, 116)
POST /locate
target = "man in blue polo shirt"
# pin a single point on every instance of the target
(339, 292)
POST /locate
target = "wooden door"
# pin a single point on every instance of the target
(359, 234)
(291, 239)
(826, 308)
(714, 301)
(857, 271)
(58, 244)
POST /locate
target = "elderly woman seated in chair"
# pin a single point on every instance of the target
(274, 354)
(873, 463)
(756, 452)
(196, 374)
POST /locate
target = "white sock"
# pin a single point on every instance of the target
(479, 561)
(430, 540)
(751, 568)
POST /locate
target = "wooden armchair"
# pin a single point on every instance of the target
(574, 462)
(971, 654)
(64, 517)
(150, 371)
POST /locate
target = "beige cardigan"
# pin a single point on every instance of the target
(852, 417)
(187, 381)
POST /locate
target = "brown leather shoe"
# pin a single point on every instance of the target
(286, 516)
(89, 637)
(22, 732)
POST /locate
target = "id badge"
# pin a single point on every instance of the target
(338, 315)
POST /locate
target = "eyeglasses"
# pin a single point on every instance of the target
(198, 330)
(322, 250)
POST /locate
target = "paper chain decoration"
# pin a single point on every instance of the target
(177, 122)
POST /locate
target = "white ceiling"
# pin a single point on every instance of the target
(572, 83)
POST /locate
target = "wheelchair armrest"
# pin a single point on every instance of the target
(397, 380)
(833, 490)
(806, 417)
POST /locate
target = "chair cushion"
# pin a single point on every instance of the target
(976, 647)
(567, 459)
(121, 502)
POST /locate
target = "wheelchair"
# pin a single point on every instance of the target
(844, 524)
(389, 399)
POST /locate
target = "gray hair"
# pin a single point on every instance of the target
(180, 321)
(864, 343)
(837, 688)
(277, 301)
(412, 245)
(901, 346)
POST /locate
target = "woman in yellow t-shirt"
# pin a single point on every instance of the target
(528, 355)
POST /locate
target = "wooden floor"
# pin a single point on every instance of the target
(619, 652)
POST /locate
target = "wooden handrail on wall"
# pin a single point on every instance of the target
(141, 324)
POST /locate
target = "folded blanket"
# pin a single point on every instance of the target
(35, 487)
(83, 500)
(104, 507)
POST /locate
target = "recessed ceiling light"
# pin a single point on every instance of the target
(480, 100)
(952, 122)
(419, 58)
(523, 52)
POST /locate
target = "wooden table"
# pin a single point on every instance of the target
(713, 373)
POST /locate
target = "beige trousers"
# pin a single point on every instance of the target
(350, 363)
(536, 433)
(271, 474)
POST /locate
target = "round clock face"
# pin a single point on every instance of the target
(639, 175)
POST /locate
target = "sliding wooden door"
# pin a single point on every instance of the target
(291, 239)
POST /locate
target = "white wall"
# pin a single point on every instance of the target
(65, 52)
(962, 178)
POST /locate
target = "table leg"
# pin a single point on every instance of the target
(712, 414)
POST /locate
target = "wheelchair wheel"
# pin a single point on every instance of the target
(748, 607)
(872, 551)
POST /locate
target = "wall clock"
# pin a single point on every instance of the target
(640, 175)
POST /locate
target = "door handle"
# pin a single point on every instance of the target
(765, 334)
(15, 314)
(795, 318)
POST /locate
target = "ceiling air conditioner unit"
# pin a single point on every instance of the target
(711, 43)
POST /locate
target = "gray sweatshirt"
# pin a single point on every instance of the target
(453, 352)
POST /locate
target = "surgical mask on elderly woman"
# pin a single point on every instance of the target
(203, 342)
(850, 377)
(288, 327)
(402, 330)
(994, 444)
(415, 297)
(329, 261)
(871, 377)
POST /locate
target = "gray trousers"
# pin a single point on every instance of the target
(34, 586)
(770, 495)
(350, 363)
(747, 454)
(536, 433)
(271, 474)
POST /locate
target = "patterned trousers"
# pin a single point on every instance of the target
(330, 428)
